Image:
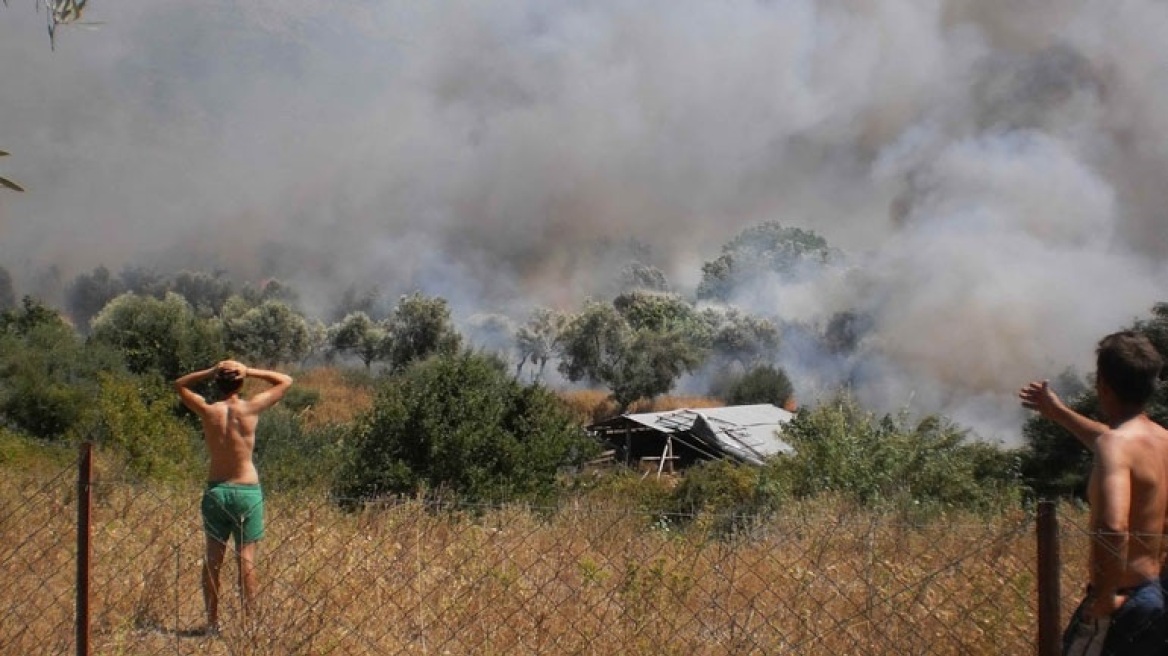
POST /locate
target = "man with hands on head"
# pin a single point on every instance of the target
(232, 505)
(1123, 611)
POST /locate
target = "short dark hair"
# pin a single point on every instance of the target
(1129, 364)
(226, 383)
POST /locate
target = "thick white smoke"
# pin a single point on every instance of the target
(995, 170)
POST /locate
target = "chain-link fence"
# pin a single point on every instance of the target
(410, 577)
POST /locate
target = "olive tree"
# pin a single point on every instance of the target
(269, 333)
(361, 336)
(420, 326)
(601, 346)
(766, 249)
(162, 336)
(537, 339)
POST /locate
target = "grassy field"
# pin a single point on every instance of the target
(590, 578)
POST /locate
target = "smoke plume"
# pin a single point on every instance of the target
(993, 169)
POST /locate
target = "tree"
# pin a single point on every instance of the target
(161, 336)
(765, 249)
(744, 338)
(270, 333)
(460, 424)
(142, 281)
(420, 326)
(601, 346)
(492, 332)
(206, 292)
(359, 335)
(762, 384)
(354, 299)
(88, 294)
(47, 374)
(7, 293)
(537, 340)
(636, 276)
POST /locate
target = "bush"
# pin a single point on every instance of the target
(728, 497)
(762, 384)
(886, 460)
(48, 376)
(462, 424)
(137, 421)
(292, 457)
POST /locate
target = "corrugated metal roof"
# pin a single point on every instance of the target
(745, 432)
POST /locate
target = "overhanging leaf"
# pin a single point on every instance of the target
(4, 182)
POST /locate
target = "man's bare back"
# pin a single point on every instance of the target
(1126, 491)
(229, 425)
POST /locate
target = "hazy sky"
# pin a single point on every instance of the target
(997, 170)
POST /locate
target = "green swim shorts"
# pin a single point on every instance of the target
(233, 510)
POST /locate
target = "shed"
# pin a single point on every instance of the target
(663, 440)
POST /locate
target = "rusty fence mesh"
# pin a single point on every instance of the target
(410, 577)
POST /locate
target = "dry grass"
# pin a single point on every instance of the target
(589, 579)
(340, 400)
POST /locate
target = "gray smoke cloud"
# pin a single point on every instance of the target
(994, 169)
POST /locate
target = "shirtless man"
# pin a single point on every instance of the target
(233, 504)
(1123, 611)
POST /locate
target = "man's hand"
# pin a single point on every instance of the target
(231, 370)
(1039, 396)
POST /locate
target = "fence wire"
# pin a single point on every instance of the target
(411, 577)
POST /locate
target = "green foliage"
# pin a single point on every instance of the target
(746, 339)
(48, 376)
(291, 457)
(762, 384)
(159, 336)
(299, 398)
(729, 496)
(359, 335)
(206, 292)
(31, 455)
(459, 423)
(875, 461)
(600, 345)
(89, 293)
(137, 421)
(636, 276)
(7, 293)
(270, 333)
(765, 249)
(419, 327)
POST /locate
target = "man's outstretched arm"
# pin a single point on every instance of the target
(189, 397)
(1040, 397)
(279, 386)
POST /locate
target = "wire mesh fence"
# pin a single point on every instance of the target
(414, 577)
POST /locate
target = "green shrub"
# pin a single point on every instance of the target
(462, 424)
(48, 376)
(290, 457)
(299, 398)
(136, 421)
(887, 460)
(726, 496)
(762, 384)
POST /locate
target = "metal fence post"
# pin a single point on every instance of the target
(84, 547)
(1049, 640)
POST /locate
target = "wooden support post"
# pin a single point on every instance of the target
(84, 545)
(1046, 528)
